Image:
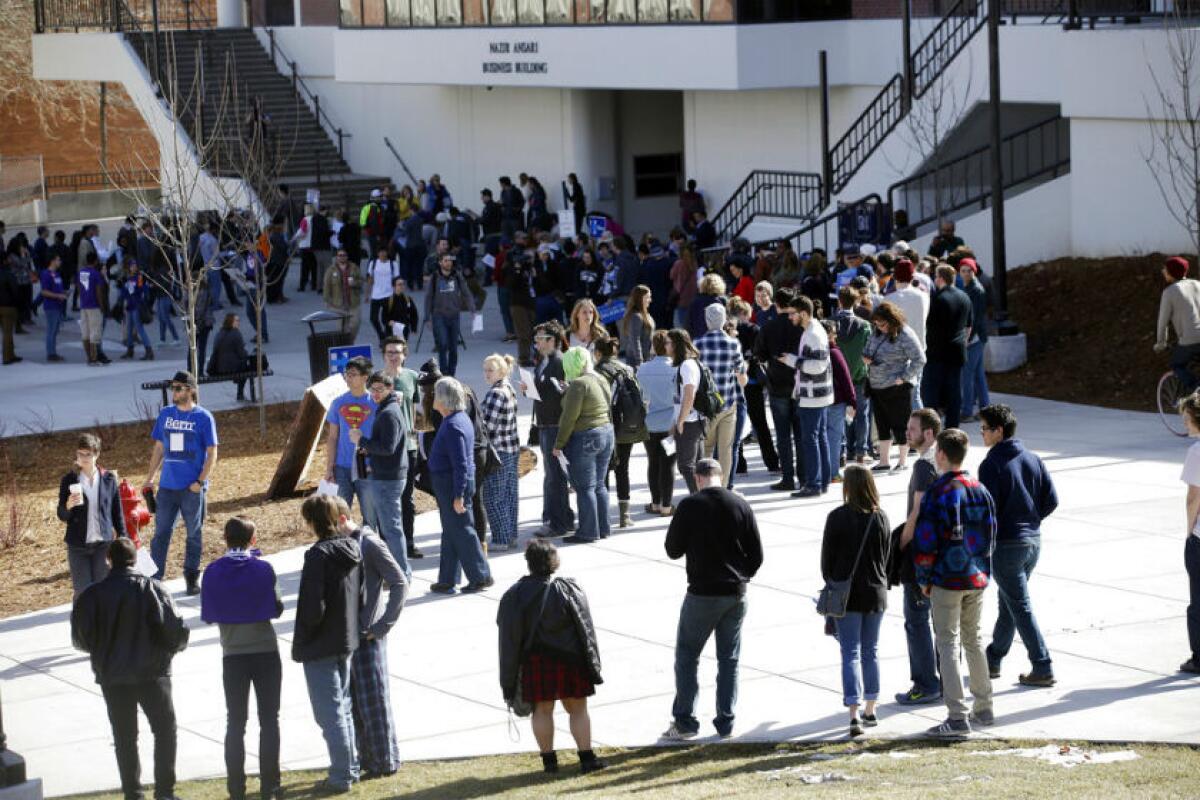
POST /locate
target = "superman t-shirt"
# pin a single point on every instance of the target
(349, 412)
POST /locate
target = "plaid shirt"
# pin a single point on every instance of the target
(955, 534)
(722, 355)
(499, 409)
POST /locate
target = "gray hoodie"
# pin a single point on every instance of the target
(379, 570)
(448, 295)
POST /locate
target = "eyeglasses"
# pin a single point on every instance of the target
(178, 387)
(378, 388)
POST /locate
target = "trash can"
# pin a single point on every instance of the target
(319, 342)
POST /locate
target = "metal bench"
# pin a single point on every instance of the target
(231, 377)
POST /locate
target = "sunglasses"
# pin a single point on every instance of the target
(178, 387)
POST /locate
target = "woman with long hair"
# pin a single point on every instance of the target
(894, 360)
(585, 325)
(688, 426)
(613, 370)
(637, 326)
(855, 548)
(683, 283)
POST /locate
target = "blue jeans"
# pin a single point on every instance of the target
(974, 380)
(461, 551)
(816, 450)
(1012, 564)
(174, 503)
(588, 454)
(348, 490)
(739, 427)
(680, 317)
(214, 288)
(858, 634)
(252, 314)
(328, 682)
(388, 519)
(445, 338)
(860, 429)
(503, 294)
(133, 325)
(162, 309)
(922, 659)
(835, 432)
(699, 618)
(500, 499)
(556, 503)
(53, 323)
(787, 432)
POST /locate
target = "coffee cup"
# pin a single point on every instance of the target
(75, 489)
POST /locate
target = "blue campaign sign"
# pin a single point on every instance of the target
(864, 223)
(596, 225)
(611, 312)
(338, 356)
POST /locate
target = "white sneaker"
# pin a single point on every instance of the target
(675, 734)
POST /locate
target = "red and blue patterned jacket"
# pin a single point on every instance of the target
(955, 533)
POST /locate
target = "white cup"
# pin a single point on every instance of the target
(76, 489)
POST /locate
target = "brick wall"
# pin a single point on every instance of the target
(893, 9)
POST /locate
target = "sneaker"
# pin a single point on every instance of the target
(573, 539)
(915, 697)
(983, 717)
(677, 734)
(546, 532)
(472, 588)
(950, 729)
(666, 511)
(1192, 666)
(783, 486)
(856, 728)
(993, 672)
(415, 554)
(1036, 681)
(442, 588)
(870, 720)
(808, 491)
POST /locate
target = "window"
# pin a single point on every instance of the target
(657, 176)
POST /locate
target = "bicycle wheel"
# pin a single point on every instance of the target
(1170, 391)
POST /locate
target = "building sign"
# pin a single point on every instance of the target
(518, 57)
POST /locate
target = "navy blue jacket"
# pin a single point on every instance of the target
(388, 443)
(112, 517)
(1021, 486)
(453, 452)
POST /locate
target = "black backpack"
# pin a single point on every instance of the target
(628, 404)
(708, 402)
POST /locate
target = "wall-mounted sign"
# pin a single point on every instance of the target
(508, 58)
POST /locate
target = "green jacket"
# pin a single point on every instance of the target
(853, 334)
(584, 406)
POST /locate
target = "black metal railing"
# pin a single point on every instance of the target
(92, 181)
(307, 96)
(121, 15)
(769, 193)
(947, 39)
(1072, 13)
(1030, 156)
(403, 166)
(867, 132)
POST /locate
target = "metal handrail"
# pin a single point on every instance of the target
(77, 181)
(946, 41)
(821, 224)
(867, 132)
(403, 166)
(975, 164)
(801, 200)
(301, 89)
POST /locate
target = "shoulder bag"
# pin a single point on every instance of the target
(835, 595)
(519, 705)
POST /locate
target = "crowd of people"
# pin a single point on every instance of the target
(842, 370)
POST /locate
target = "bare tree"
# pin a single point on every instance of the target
(1174, 111)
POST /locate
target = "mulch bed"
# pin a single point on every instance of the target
(1089, 325)
(33, 570)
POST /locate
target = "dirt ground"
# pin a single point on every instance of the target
(33, 572)
(1090, 329)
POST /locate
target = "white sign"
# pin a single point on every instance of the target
(566, 224)
(312, 197)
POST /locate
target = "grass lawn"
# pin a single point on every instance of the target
(893, 769)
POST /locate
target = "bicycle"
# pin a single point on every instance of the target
(1170, 391)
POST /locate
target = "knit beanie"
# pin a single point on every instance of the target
(714, 317)
(574, 361)
(1177, 267)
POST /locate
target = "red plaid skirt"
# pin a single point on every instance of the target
(547, 678)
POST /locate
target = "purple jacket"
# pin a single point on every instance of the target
(843, 386)
(239, 588)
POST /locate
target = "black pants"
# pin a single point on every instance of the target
(756, 409)
(264, 671)
(660, 474)
(408, 509)
(378, 317)
(619, 465)
(155, 699)
(941, 388)
(308, 270)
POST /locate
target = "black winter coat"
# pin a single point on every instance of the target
(129, 625)
(387, 446)
(112, 520)
(564, 631)
(328, 603)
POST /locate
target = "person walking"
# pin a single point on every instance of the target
(89, 503)
(327, 634)
(399, 309)
(382, 272)
(342, 292)
(134, 298)
(722, 354)
(657, 379)
(856, 548)
(499, 412)
(371, 700)
(894, 359)
(550, 382)
(447, 298)
(129, 626)
(1179, 310)
(1024, 495)
(814, 395)
(716, 533)
(548, 653)
(404, 384)
(628, 414)
(185, 448)
(452, 472)
(1189, 410)
(921, 432)
(386, 450)
(54, 303)
(954, 540)
(240, 594)
(947, 331)
(586, 439)
(351, 411)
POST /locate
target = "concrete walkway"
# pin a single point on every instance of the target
(1110, 593)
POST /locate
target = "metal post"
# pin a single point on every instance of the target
(187, 13)
(295, 78)
(909, 89)
(341, 150)
(155, 37)
(271, 37)
(826, 156)
(999, 259)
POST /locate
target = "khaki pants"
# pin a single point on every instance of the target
(91, 322)
(720, 435)
(956, 617)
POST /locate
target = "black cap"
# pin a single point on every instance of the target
(185, 378)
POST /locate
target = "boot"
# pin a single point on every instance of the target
(625, 520)
(550, 762)
(90, 349)
(192, 579)
(103, 359)
(128, 353)
(149, 355)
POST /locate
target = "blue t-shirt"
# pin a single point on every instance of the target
(186, 437)
(52, 281)
(346, 412)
